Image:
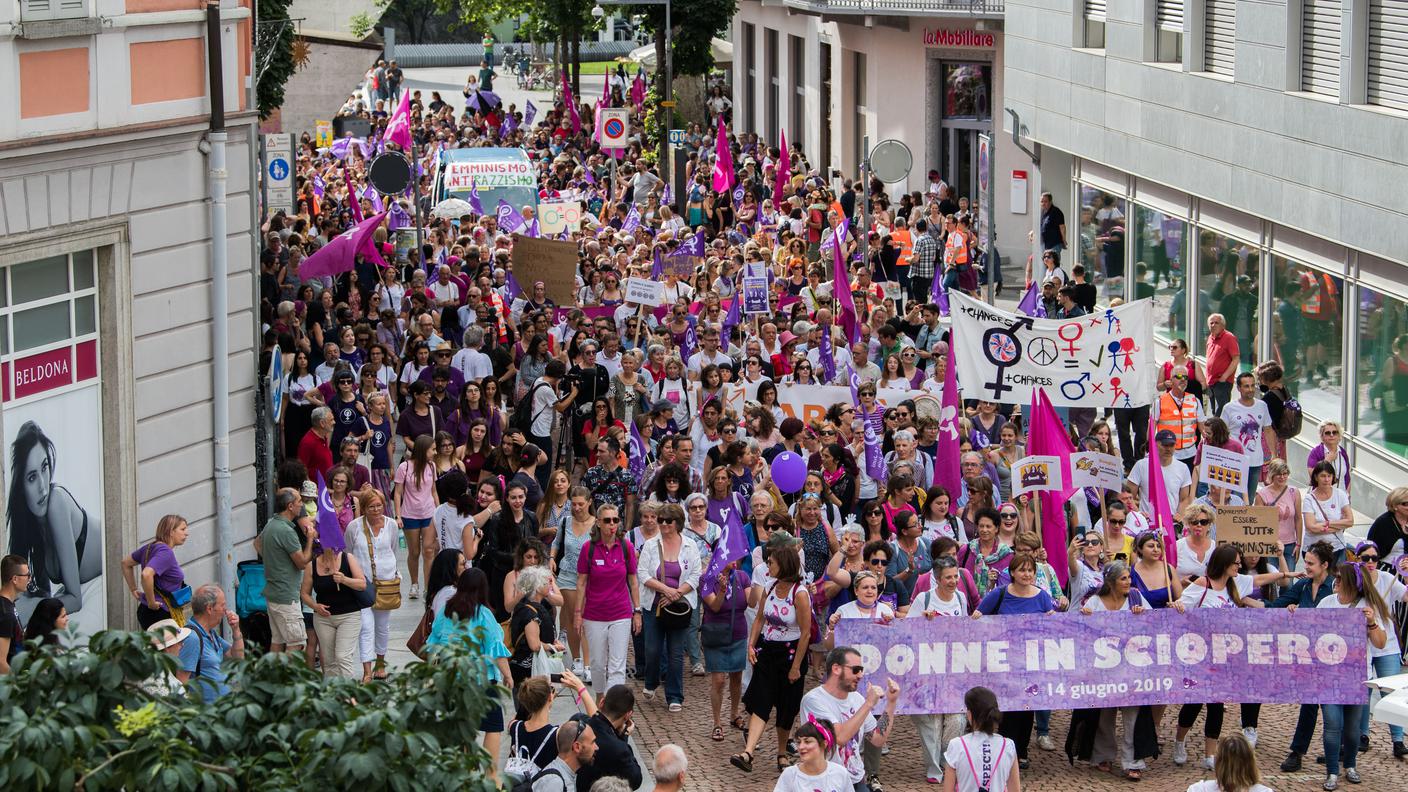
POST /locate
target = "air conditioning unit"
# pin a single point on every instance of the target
(45, 10)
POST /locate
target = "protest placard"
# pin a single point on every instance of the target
(1223, 468)
(551, 261)
(755, 295)
(1036, 473)
(1250, 528)
(555, 216)
(1119, 659)
(643, 291)
(1093, 469)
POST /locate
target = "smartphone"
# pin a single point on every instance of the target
(556, 679)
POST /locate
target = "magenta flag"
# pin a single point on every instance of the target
(571, 102)
(784, 169)
(354, 205)
(841, 285)
(340, 255)
(638, 90)
(1162, 517)
(947, 468)
(1048, 436)
(329, 529)
(398, 128)
(723, 162)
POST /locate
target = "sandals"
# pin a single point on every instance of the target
(1133, 775)
(718, 734)
(1105, 767)
(783, 762)
(740, 722)
(743, 761)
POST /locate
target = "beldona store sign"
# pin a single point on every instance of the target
(943, 37)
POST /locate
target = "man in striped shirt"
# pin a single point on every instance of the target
(921, 262)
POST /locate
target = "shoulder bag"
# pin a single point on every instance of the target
(177, 600)
(388, 592)
(670, 616)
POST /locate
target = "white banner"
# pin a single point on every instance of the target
(1093, 469)
(644, 291)
(1223, 468)
(1104, 359)
(556, 217)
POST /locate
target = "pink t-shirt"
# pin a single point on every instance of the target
(418, 497)
(606, 570)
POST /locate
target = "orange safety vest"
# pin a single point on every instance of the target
(1325, 289)
(1181, 419)
(905, 243)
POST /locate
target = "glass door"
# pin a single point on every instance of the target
(967, 110)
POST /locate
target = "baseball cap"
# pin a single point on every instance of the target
(1165, 437)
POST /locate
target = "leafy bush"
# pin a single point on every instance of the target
(79, 719)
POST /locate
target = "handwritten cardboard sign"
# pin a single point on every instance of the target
(1252, 529)
(1093, 469)
(551, 261)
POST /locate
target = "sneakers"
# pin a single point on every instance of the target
(1208, 762)
(586, 675)
(1291, 763)
(885, 750)
(699, 669)
(1332, 782)
(415, 591)
(1045, 743)
(1352, 776)
(1250, 734)
(581, 672)
(1399, 750)
(1180, 753)
(1363, 743)
(676, 706)
(648, 694)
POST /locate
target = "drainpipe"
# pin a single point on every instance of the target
(219, 302)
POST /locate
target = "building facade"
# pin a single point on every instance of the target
(1243, 158)
(105, 280)
(929, 74)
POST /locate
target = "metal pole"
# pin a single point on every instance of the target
(218, 177)
(415, 197)
(862, 238)
(990, 242)
(669, 111)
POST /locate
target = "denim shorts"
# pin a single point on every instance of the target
(414, 524)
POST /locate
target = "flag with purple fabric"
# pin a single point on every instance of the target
(853, 380)
(319, 186)
(827, 355)
(343, 146)
(530, 112)
(737, 196)
(731, 546)
(723, 163)
(657, 269)
(637, 454)
(638, 89)
(340, 254)
(731, 320)
(948, 472)
(509, 218)
(534, 230)
(398, 127)
(668, 196)
(397, 218)
(784, 169)
(841, 285)
(571, 102)
(1031, 303)
(1047, 436)
(632, 221)
(874, 451)
(377, 205)
(474, 201)
(329, 528)
(353, 205)
(938, 295)
(687, 348)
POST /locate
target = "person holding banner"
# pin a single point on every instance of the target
(1215, 589)
(1342, 721)
(1151, 573)
(985, 558)
(1116, 593)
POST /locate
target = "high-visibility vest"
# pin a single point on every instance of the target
(1181, 418)
(905, 243)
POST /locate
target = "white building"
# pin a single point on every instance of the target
(1259, 139)
(925, 72)
(105, 281)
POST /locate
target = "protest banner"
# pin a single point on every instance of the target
(551, 261)
(592, 312)
(680, 265)
(1104, 359)
(755, 295)
(1251, 529)
(1120, 659)
(643, 291)
(1093, 469)
(556, 216)
(1036, 473)
(1223, 468)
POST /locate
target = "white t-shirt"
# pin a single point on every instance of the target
(1097, 605)
(979, 756)
(931, 601)
(543, 401)
(1176, 477)
(1316, 511)
(1211, 786)
(1333, 601)
(473, 364)
(1245, 423)
(852, 610)
(822, 704)
(449, 526)
(1195, 595)
(833, 779)
(1391, 589)
(1188, 561)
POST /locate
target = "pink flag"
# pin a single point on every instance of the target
(354, 205)
(398, 128)
(723, 162)
(841, 285)
(1162, 516)
(571, 102)
(1048, 436)
(784, 169)
(948, 472)
(340, 255)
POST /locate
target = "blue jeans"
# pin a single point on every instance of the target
(696, 652)
(1305, 727)
(1385, 666)
(1288, 552)
(1043, 723)
(1253, 479)
(673, 641)
(1341, 736)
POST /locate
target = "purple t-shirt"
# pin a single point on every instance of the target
(607, 569)
(162, 561)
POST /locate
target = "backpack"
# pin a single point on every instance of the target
(523, 416)
(249, 590)
(521, 766)
(526, 785)
(1291, 420)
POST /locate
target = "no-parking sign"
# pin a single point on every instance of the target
(613, 127)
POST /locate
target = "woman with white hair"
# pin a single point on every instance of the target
(704, 534)
(532, 626)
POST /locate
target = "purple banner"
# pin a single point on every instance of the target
(593, 312)
(1068, 661)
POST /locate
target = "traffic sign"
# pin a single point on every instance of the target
(676, 137)
(614, 127)
(278, 170)
(276, 384)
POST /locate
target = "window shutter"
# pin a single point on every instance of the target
(1219, 36)
(1095, 9)
(1388, 53)
(1320, 46)
(42, 10)
(1169, 15)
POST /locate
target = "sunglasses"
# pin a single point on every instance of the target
(1200, 522)
(1009, 515)
(1369, 559)
(1116, 522)
(669, 520)
(1329, 433)
(855, 669)
(879, 561)
(611, 520)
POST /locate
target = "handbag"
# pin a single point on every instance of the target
(673, 615)
(388, 592)
(416, 643)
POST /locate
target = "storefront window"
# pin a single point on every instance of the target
(1228, 270)
(1307, 335)
(968, 90)
(1160, 269)
(1102, 240)
(1382, 400)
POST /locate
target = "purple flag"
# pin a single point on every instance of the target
(938, 295)
(687, 349)
(571, 102)
(474, 202)
(329, 529)
(509, 218)
(947, 471)
(343, 146)
(353, 205)
(319, 186)
(530, 112)
(632, 221)
(874, 452)
(533, 229)
(737, 196)
(731, 546)
(1162, 517)
(657, 269)
(398, 128)
(731, 320)
(827, 355)
(668, 197)
(853, 380)
(341, 253)
(1031, 303)
(637, 453)
(514, 290)
(397, 218)
(841, 285)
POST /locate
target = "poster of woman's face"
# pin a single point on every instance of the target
(54, 502)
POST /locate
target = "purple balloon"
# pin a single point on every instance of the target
(789, 472)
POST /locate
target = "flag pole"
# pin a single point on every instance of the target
(415, 197)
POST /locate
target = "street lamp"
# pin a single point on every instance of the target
(666, 103)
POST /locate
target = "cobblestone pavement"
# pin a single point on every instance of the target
(903, 768)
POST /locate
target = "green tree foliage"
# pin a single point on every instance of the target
(412, 18)
(360, 24)
(79, 719)
(695, 23)
(270, 91)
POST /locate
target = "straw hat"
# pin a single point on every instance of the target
(167, 633)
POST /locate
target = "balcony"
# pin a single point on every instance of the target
(973, 9)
